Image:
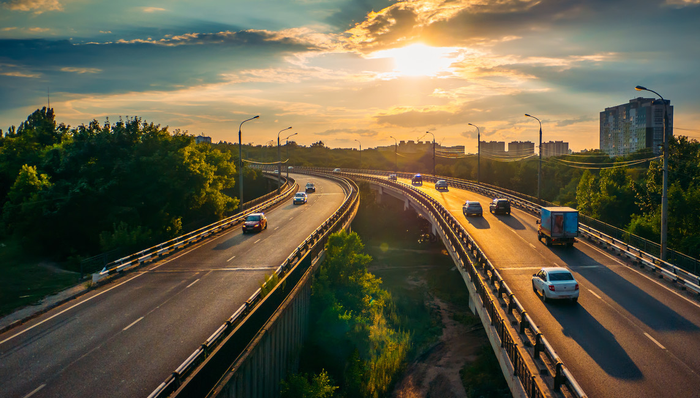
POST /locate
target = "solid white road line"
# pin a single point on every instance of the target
(593, 293)
(133, 323)
(230, 258)
(257, 241)
(276, 228)
(654, 340)
(640, 273)
(35, 391)
(192, 283)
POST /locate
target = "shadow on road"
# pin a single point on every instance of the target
(510, 221)
(478, 222)
(596, 340)
(636, 301)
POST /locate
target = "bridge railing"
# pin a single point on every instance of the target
(483, 274)
(162, 249)
(199, 373)
(682, 277)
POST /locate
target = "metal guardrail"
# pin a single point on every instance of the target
(198, 374)
(194, 236)
(482, 274)
(682, 277)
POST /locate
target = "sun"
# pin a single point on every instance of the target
(419, 59)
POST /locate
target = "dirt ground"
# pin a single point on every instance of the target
(435, 373)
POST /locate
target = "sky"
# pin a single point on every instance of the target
(351, 72)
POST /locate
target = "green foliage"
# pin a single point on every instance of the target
(299, 386)
(100, 186)
(483, 378)
(268, 284)
(353, 332)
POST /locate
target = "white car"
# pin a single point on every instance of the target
(299, 198)
(555, 283)
(336, 170)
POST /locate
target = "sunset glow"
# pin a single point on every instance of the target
(419, 59)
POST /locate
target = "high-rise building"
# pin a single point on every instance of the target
(627, 128)
(555, 148)
(521, 148)
(493, 148)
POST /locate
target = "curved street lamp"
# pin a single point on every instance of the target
(279, 165)
(539, 165)
(478, 153)
(286, 144)
(664, 192)
(428, 132)
(240, 162)
(396, 151)
(358, 141)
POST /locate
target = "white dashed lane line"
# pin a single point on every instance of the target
(276, 228)
(230, 258)
(35, 391)
(133, 323)
(257, 241)
(193, 283)
(654, 340)
(593, 293)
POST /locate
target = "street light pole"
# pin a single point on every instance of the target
(396, 151)
(286, 144)
(240, 162)
(279, 164)
(478, 153)
(664, 192)
(428, 132)
(539, 165)
(358, 141)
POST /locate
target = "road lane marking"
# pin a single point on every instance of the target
(35, 391)
(533, 246)
(276, 228)
(68, 309)
(245, 268)
(133, 323)
(290, 218)
(518, 268)
(654, 340)
(257, 241)
(192, 283)
(636, 271)
(230, 258)
(593, 293)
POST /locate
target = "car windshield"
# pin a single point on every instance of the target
(253, 218)
(299, 195)
(560, 276)
(309, 185)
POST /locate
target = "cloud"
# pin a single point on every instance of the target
(16, 71)
(153, 9)
(568, 122)
(20, 74)
(105, 31)
(683, 3)
(80, 71)
(37, 6)
(9, 29)
(39, 30)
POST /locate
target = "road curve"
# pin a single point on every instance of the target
(630, 335)
(124, 339)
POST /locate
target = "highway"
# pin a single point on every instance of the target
(630, 335)
(125, 338)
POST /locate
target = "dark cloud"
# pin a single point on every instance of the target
(355, 11)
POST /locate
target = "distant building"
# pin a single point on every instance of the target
(493, 148)
(201, 138)
(627, 128)
(555, 148)
(521, 148)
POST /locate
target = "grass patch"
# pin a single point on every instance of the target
(483, 377)
(25, 282)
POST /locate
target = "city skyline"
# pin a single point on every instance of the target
(340, 71)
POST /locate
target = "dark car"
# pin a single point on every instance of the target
(255, 222)
(500, 206)
(441, 185)
(417, 180)
(472, 208)
(310, 187)
(392, 177)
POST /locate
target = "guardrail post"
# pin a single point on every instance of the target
(558, 376)
(523, 322)
(538, 345)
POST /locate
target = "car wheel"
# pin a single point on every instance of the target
(534, 289)
(544, 297)
(265, 226)
(548, 240)
(244, 232)
(574, 300)
(508, 213)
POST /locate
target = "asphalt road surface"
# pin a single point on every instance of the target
(630, 335)
(125, 338)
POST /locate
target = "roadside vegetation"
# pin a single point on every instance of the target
(374, 317)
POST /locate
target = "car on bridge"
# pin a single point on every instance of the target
(299, 198)
(555, 283)
(500, 206)
(392, 177)
(417, 180)
(255, 222)
(310, 187)
(441, 185)
(336, 170)
(472, 208)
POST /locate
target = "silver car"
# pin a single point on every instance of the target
(555, 283)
